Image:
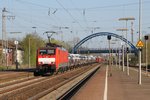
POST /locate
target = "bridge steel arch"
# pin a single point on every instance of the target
(74, 50)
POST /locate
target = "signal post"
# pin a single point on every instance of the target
(109, 38)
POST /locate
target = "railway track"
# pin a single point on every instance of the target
(9, 77)
(75, 85)
(40, 86)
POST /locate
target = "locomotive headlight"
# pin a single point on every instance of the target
(40, 62)
(52, 62)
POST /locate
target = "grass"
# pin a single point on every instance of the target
(3, 67)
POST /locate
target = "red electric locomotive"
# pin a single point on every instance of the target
(51, 59)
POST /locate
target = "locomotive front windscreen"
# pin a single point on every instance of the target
(51, 51)
(48, 51)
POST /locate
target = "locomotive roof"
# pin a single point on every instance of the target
(52, 45)
(53, 48)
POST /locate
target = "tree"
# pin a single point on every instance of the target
(66, 45)
(35, 42)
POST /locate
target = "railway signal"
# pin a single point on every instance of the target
(109, 38)
(127, 49)
(146, 53)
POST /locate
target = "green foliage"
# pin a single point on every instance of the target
(0, 56)
(3, 67)
(34, 41)
(64, 44)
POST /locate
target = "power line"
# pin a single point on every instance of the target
(83, 13)
(112, 6)
(80, 9)
(29, 22)
(68, 13)
(49, 9)
(35, 4)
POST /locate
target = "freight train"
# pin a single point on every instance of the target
(57, 59)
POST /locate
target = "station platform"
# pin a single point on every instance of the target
(119, 86)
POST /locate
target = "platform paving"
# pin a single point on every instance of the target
(124, 87)
(120, 86)
(94, 88)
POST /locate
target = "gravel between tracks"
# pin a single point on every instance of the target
(32, 88)
(12, 76)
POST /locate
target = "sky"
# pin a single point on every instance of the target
(74, 18)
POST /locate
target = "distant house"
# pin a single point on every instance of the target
(8, 53)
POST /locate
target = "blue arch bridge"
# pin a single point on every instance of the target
(75, 49)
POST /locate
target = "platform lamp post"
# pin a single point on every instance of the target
(109, 38)
(146, 53)
(127, 19)
(139, 73)
(116, 57)
(127, 51)
(112, 51)
(122, 30)
(29, 52)
(118, 54)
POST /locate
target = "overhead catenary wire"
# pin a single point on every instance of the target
(24, 20)
(34, 4)
(55, 9)
(69, 13)
(83, 14)
(79, 9)
(51, 10)
(90, 8)
(35, 19)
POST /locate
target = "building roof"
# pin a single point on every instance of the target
(10, 44)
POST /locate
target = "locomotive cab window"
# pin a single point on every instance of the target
(42, 52)
(52, 51)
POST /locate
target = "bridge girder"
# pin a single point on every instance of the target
(74, 50)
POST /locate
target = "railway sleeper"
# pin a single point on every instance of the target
(42, 70)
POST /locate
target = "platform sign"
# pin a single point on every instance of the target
(139, 44)
(15, 42)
